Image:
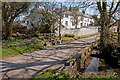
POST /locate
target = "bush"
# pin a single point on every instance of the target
(70, 35)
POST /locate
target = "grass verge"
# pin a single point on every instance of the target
(78, 37)
(20, 46)
(84, 36)
(51, 74)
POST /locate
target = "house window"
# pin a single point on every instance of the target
(73, 24)
(66, 15)
(81, 24)
(88, 19)
(85, 24)
(66, 22)
(27, 22)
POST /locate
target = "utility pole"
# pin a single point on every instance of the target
(51, 35)
(60, 22)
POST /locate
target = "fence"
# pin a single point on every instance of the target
(115, 35)
(51, 37)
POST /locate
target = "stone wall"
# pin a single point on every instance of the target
(78, 62)
(80, 31)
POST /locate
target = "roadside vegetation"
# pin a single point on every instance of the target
(16, 46)
(70, 35)
(84, 36)
(19, 46)
(73, 36)
(52, 74)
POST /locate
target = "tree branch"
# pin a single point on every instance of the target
(116, 8)
(111, 8)
(114, 22)
(17, 12)
(99, 7)
(114, 18)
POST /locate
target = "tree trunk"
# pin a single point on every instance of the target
(60, 23)
(104, 34)
(101, 38)
(8, 32)
(118, 31)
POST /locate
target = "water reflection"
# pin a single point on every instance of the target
(93, 66)
(97, 66)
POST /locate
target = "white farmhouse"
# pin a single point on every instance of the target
(83, 20)
(83, 27)
(35, 19)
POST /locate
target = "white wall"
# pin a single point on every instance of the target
(85, 22)
(79, 32)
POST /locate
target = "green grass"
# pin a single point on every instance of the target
(20, 46)
(84, 36)
(104, 77)
(77, 37)
(69, 35)
(51, 74)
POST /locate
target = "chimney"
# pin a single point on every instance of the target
(70, 8)
(37, 5)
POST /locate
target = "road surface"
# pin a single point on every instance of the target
(27, 65)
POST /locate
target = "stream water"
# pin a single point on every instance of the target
(93, 66)
(98, 66)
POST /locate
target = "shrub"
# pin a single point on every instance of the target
(70, 35)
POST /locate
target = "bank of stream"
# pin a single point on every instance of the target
(97, 66)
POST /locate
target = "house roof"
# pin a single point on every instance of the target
(79, 13)
(57, 13)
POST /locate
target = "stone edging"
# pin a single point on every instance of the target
(73, 65)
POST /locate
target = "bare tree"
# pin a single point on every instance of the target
(75, 18)
(105, 19)
(107, 11)
(60, 25)
(10, 10)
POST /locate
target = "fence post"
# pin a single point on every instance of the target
(50, 36)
